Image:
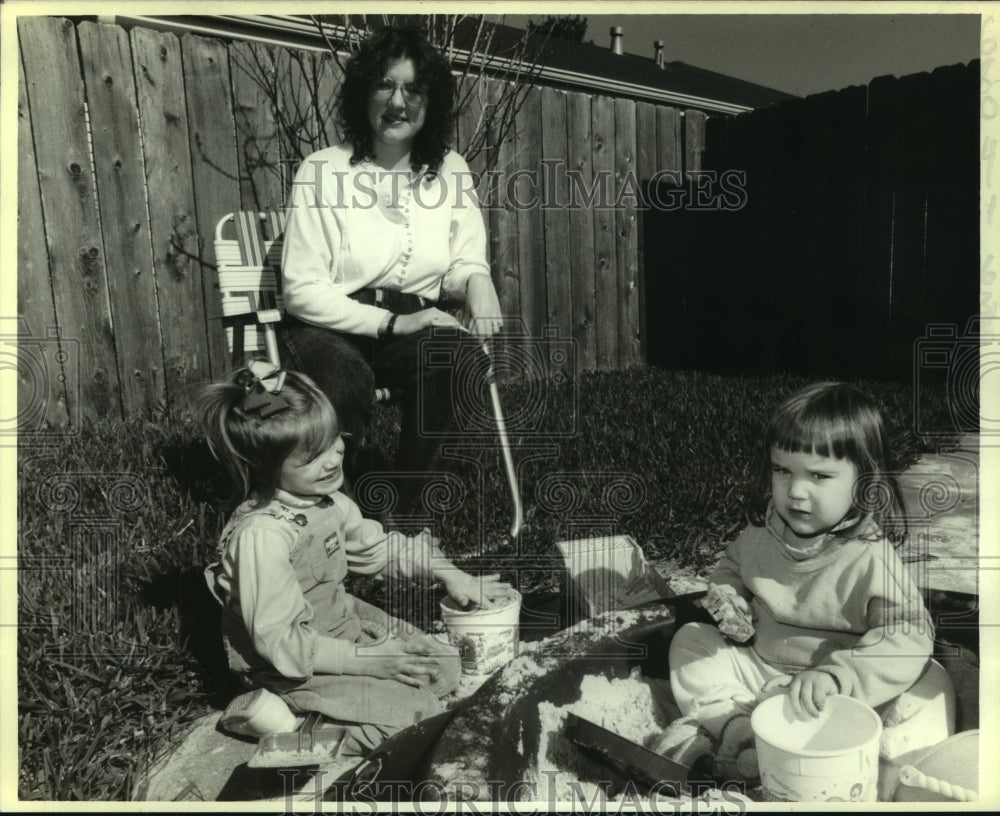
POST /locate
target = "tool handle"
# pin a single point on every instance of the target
(909, 775)
(307, 736)
(508, 459)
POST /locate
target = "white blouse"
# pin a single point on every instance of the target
(350, 228)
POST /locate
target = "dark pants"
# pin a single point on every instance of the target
(434, 377)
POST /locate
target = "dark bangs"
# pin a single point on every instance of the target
(819, 434)
(840, 421)
(830, 419)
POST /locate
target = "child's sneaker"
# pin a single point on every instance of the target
(736, 758)
(257, 714)
(684, 741)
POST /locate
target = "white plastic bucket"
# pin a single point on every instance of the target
(486, 638)
(829, 758)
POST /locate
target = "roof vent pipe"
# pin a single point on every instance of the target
(658, 53)
(616, 39)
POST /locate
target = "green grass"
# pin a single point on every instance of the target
(98, 702)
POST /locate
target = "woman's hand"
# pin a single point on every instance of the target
(484, 590)
(409, 663)
(424, 319)
(808, 691)
(484, 306)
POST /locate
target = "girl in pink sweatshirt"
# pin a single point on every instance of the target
(832, 607)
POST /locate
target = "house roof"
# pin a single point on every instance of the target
(678, 77)
(564, 64)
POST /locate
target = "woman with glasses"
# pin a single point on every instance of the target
(380, 229)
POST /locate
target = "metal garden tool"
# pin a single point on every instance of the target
(633, 761)
(508, 459)
(312, 743)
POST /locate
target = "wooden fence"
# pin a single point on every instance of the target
(133, 144)
(858, 230)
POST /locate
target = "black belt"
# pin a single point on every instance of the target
(391, 299)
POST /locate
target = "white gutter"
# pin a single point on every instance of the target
(290, 32)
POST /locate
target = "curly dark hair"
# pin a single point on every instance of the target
(368, 65)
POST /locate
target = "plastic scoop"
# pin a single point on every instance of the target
(312, 743)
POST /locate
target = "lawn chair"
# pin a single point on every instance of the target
(249, 267)
(250, 285)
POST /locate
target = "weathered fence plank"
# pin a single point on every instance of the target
(468, 122)
(214, 168)
(754, 139)
(669, 139)
(694, 138)
(72, 222)
(528, 195)
(911, 189)
(791, 291)
(953, 215)
(816, 238)
(257, 145)
(873, 282)
(646, 165)
(502, 217)
(121, 188)
(626, 234)
(664, 292)
(163, 117)
(328, 79)
(299, 127)
(605, 252)
(848, 168)
(559, 292)
(580, 250)
(41, 393)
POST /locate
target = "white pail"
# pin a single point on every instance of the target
(829, 758)
(485, 637)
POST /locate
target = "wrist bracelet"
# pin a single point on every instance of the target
(390, 327)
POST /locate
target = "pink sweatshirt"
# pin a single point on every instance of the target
(851, 609)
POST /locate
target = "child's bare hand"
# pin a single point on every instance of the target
(483, 590)
(409, 663)
(808, 691)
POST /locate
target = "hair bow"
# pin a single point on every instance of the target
(262, 382)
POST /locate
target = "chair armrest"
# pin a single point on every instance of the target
(268, 316)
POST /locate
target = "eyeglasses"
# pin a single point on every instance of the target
(413, 94)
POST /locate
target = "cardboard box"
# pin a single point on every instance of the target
(611, 572)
